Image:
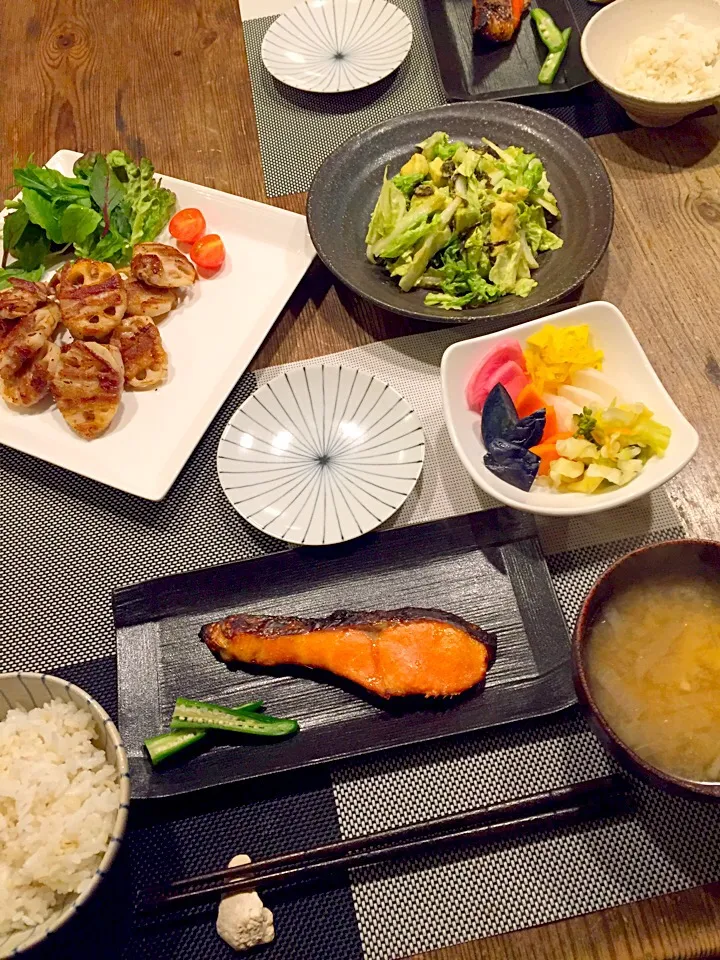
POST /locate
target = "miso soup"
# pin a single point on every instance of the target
(653, 665)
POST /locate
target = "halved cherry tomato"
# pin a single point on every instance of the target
(208, 252)
(187, 225)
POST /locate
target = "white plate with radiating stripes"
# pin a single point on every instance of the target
(321, 455)
(333, 46)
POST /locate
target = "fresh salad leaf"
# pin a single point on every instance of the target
(50, 183)
(78, 222)
(32, 249)
(84, 165)
(13, 228)
(43, 213)
(149, 205)
(14, 271)
(106, 190)
(465, 223)
(108, 206)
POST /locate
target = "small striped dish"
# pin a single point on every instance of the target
(321, 455)
(28, 690)
(333, 46)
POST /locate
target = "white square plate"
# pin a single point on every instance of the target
(626, 366)
(210, 339)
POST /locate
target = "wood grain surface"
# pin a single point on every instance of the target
(168, 78)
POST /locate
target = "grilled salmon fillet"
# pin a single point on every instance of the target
(498, 20)
(392, 653)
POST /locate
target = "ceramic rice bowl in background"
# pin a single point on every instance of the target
(625, 364)
(321, 455)
(606, 41)
(334, 46)
(63, 839)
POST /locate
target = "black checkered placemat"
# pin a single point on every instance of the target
(69, 541)
(298, 130)
(199, 833)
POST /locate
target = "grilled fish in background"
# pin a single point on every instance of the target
(498, 20)
(392, 653)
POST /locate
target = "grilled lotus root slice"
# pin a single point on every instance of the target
(31, 383)
(92, 311)
(84, 273)
(142, 351)
(144, 301)
(6, 326)
(21, 298)
(160, 265)
(28, 338)
(87, 386)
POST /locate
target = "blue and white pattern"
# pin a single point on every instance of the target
(321, 455)
(333, 46)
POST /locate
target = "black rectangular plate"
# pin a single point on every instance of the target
(472, 71)
(486, 567)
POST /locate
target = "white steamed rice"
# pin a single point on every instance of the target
(680, 60)
(58, 802)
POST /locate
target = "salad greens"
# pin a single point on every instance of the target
(110, 204)
(465, 224)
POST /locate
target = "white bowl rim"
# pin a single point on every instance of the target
(595, 504)
(698, 99)
(43, 931)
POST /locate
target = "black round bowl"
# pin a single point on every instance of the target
(343, 194)
(670, 555)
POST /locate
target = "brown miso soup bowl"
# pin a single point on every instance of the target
(667, 557)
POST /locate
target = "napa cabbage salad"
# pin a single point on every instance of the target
(466, 224)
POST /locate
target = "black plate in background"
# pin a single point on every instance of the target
(486, 567)
(346, 187)
(472, 70)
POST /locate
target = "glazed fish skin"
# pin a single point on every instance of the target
(497, 20)
(392, 653)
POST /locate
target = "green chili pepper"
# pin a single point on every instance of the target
(550, 67)
(549, 33)
(165, 745)
(196, 715)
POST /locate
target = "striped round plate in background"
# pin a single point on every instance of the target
(320, 455)
(332, 46)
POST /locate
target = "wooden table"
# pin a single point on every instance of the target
(168, 79)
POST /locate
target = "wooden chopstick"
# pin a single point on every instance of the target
(591, 798)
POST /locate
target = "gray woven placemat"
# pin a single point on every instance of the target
(298, 130)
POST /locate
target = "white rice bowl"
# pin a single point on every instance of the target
(63, 798)
(678, 61)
